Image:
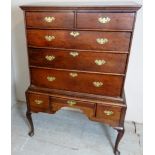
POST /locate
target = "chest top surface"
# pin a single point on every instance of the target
(112, 5)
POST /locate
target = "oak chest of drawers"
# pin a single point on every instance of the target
(78, 58)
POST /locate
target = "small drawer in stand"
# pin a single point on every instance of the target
(38, 102)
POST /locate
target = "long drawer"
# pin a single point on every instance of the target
(78, 60)
(101, 84)
(91, 40)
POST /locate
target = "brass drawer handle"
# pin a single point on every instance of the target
(74, 34)
(49, 19)
(97, 84)
(100, 62)
(102, 40)
(49, 57)
(73, 74)
(49, 38)
(51, 78)
(74, 54)
(71, 102)
(108, 113)
(38, 102)
(104, 20)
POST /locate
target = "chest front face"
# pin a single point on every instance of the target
(78, 57)
(79, 54)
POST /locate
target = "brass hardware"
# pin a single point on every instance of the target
(100, 62)
(108, 113)
(104, 20)
(74, 54)
(74, 34)
(49, 19)
(73, 74)
(51, 78)
(38, 102)
(97, 84)
(102, 40)
(49, 38)
(50, 57)
(71, 102)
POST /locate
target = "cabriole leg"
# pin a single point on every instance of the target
(119, 137)
(28, 115)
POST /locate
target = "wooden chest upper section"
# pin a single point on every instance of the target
(85, 45)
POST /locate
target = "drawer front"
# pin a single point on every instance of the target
(78, 60)
(105, 21)
(108, 85)
(50, 19)
(38, 102)
(85, 107)
(111, 41)
(109, 113)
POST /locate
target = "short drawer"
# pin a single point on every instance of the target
(109, 113)
(105, 21)
(38, 102)
(50, 19)
(78, 60)
(100, 84)
(90, 40)
(87, 108)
